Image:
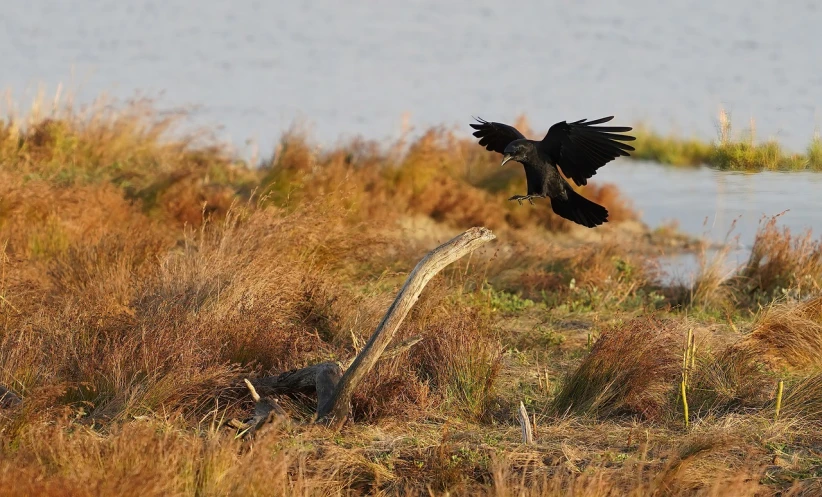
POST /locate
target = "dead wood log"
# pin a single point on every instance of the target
(334, 389)
(265, 410)
(336, 410)
(9, 398)
(525, 424)
(320, 378)
(398, 349)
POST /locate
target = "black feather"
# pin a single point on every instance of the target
(578, 149)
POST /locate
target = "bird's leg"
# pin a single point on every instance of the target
(520, 198)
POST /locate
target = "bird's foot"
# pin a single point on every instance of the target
(520, 198)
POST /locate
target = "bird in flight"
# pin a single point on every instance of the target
(578, 149)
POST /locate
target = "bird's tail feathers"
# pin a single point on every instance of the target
(580, 210)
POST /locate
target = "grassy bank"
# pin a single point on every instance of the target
(728, 152)
(143, 276)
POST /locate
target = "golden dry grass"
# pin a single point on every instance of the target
(781, 265)
(142, 276)
(782, 262)
(790, 334)
(631, 370)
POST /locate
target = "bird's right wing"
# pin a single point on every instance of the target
(495, 136)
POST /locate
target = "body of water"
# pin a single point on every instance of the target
(360, 67)
(723, 206)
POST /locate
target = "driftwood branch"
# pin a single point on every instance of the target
(8, 398)
(525, 424)
(321, 378)
(336, 409)
(265, 410)
(335, 389)
(398, 349)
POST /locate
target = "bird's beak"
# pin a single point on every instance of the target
(506, 159)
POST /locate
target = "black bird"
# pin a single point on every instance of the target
(578, 148)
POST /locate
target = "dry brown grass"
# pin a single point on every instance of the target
(729, 380)
(439, 176)
(781, 263)
(152, 457)
(802, 404)
(710, 289)
(789, 335)
(140, 281)
(130, 146)
(631, 370)
(461, 356)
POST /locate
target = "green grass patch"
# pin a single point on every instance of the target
(728, 153)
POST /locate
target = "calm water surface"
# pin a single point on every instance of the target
(720, 205)
(357, 67)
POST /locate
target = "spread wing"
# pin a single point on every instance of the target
(579, 148)
(495, 136)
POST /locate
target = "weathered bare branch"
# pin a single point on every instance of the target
(335, 410)
(9, 398)
(265, 409)
(334, 389)
(254, 394)
(321, 378)
(401, 347)
(394, 350)
(525, 424)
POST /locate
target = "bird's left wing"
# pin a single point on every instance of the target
(495, 136)
(579, 148)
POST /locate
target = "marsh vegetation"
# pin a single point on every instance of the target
(144, 275)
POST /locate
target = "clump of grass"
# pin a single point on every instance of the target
(742, 376)
(710, 289)
(631, 370)
(464, 362)
(780, 263)
(802, 402)
(789, 334)
(814, 153)
(745, 154)
(104, 141)
(731, 380)
(131, 146)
